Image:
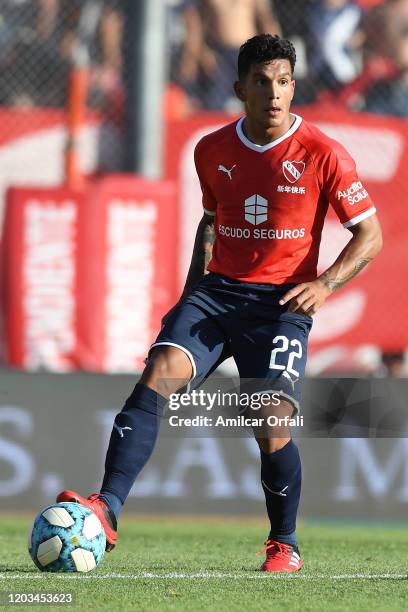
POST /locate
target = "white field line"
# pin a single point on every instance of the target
(203, 575)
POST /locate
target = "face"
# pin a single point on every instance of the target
(267, 92)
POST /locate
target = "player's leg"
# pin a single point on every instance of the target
(272, 356)
(136, 426)
(281, 478)
(133, 437)
(187, 349)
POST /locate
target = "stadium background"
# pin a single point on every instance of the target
(101, 105)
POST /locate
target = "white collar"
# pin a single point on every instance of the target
(261, 148)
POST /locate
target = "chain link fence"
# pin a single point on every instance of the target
(39, 41)
(350, 53)
(353, 52)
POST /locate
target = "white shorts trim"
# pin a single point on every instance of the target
(186, 351)
(361, 217)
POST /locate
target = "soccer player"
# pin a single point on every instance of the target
(267, 181)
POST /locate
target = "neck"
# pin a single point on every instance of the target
(261, 135)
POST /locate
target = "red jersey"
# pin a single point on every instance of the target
(270, 201)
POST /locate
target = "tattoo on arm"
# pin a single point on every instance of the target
(202, 253)
(208, 242)
(335, 283)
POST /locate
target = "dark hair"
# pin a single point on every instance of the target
(264, 48)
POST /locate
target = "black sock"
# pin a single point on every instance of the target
(131, 443)
(281, 476)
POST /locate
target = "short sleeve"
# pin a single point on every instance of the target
(343, 188)
(209, 201)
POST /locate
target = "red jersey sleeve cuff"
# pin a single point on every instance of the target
(360, 217)
(209, 212)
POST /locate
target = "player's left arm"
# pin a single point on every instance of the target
(366, 243)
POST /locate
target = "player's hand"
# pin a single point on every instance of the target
(306, 298)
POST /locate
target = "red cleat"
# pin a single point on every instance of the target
(95, 503)
(280, 557)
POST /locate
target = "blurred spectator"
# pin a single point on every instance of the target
(99, 28)
(214, 31)
(335, 41)
(184, 40)
(389, 96)
(377, 65)
(369, 4)
(292, 16)
(31, 69)
(393, 365)
(14, 15)
(38, 40)
(177, 103)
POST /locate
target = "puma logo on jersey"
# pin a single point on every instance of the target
(222, 168)
(121, 429)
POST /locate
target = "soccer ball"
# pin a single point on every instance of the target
(66, 537)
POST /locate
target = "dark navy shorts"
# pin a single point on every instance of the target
(223, 317)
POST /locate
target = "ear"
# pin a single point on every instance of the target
(240, 91)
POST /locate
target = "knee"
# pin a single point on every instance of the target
(167, 370)
(271, 438)
(170, 362)
(271, 445)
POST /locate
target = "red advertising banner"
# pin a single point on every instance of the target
(371, 309)
(40, 277)
(87, 275)
(129, 249)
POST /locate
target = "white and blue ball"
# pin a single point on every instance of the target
(66, 537)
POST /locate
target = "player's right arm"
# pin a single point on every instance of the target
(202, 252)
(201, 257)
(205, 235)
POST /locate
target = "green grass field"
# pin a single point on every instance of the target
(199, 564)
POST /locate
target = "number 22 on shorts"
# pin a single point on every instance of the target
(284, 343)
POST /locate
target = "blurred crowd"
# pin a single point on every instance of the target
(352, 51)
(40, 40)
